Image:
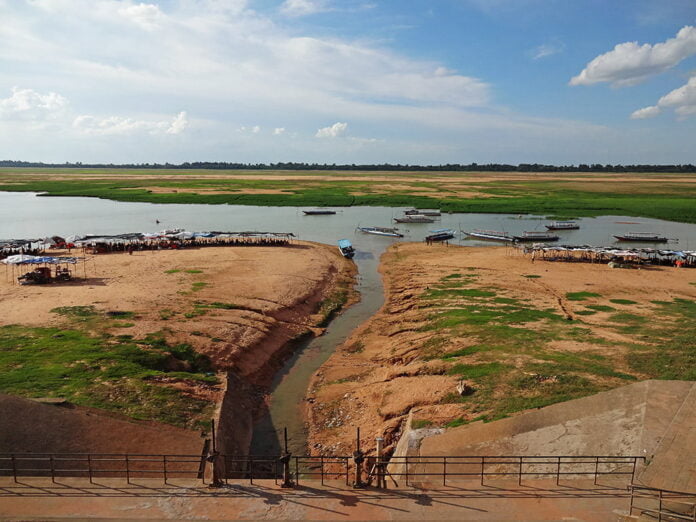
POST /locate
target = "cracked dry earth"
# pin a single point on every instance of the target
(489, 318)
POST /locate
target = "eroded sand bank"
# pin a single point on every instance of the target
(400, 360)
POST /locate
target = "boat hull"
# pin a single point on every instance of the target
(648, 239)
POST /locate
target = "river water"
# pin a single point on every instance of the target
(24, 215)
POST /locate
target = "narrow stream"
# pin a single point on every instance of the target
(290, 384)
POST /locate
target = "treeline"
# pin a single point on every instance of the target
(450, 167)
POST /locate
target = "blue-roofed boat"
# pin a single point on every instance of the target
(346, 248)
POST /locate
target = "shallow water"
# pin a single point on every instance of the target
(24, 215)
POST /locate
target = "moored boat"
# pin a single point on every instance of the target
(443, 234)
(319, 212)
(489, 235)
(346, 248)
(563, 225)
(381, 231)
(420, 212)
(416, 218)
(536, 236)
(645, 237)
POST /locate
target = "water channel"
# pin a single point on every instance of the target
(24, 215)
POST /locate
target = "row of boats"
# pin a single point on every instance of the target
(410, 216)
(446, 234)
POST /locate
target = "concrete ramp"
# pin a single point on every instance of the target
(654, 419)
(673, 465)
(29, 426)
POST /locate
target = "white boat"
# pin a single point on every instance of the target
(381, 231)
(490, 235)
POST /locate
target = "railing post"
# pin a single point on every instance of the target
(127, 471)
(89, 467)
(219, 468)
(444, 471)
(558, 470)
(381, 479)
(285, 460)
(519, 476)
(596, 470)
(321, 463)
(164, 461)
(659, 513)
(358, 459)
(53, 475)
(633, 471)
(14, 468)
(483, 463)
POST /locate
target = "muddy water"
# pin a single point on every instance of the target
(23, 215)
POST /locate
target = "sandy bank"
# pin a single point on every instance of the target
(514, 322)
(237, 305)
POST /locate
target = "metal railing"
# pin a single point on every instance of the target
(663, 504)
(94, 465)
(430, 467)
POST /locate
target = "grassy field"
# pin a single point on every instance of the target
(515, 363)
(664, 196)
(86, 365)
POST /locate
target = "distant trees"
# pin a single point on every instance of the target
(449, 167)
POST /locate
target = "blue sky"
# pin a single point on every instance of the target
(349, 81)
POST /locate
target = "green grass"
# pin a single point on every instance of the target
(417, 424)
(622, 301)
(536, 194)
(198, 286)
(115, 374)
(193, 271)
(601, 308)
(581, 296)
(532, 276)
(477, 371)
(173, 271)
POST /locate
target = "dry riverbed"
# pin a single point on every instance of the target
(512, 333)
(153, 335)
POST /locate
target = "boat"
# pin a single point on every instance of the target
(415, 219)
(419, 212)
(563, 225)
(490, 235)
(381, 231)
(644, 237)
(442, 234)
(536, 236)
(319, 212)
(346, 248)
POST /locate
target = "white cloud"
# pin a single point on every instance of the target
(255, 129)
(546, 50)
(179, 124)
(115, 125)
(645, 112)
(334, 131)
(278, 131)
(629, 63)
(303, 7)
(682, 100)
(147, 16)
(29, 104)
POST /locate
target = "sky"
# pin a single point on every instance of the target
(424, 82)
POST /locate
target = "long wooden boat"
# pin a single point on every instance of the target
(419, 212)
(490, 235)
(563, 225)
(443, 234)
(415, 219)
(381, 231)
(645, 237)
(346, 248)
(319, 212)
(536, 236)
